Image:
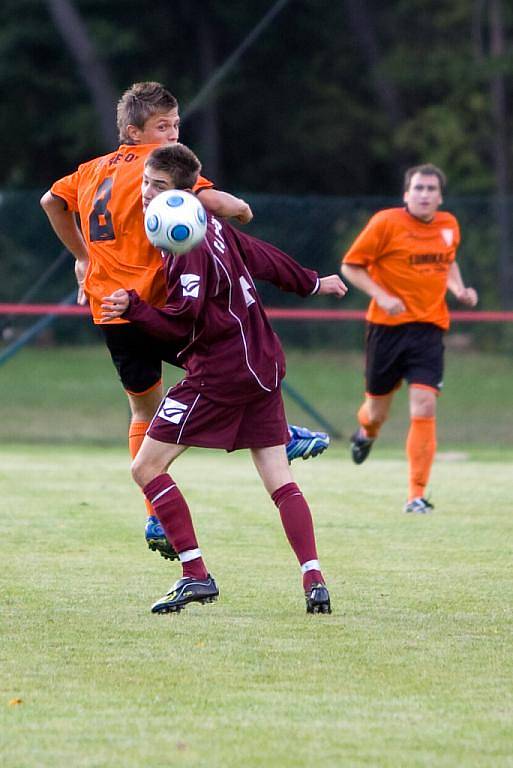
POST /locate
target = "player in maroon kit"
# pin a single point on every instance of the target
(231, 395)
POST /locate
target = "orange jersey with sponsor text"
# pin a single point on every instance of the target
(410, 259)
(106, 194)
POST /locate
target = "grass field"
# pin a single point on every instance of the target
(413, 668)
(71, 394)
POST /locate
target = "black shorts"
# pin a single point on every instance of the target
(137, 356)
(411, 351)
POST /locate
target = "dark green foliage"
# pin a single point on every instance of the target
(300, 112)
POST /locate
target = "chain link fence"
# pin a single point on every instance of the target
(315, 230)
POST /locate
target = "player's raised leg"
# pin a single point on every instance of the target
(297, 522)
(303, 443)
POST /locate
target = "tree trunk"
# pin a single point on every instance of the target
(501, 155)
(92, 70)
(361, 23)
(209, 135)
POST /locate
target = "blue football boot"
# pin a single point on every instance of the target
(303, 443)
(156, 538)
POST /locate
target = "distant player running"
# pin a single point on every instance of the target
(231, 395)
(404, 259)
(112, 251)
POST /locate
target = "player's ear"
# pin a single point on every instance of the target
(134, 134)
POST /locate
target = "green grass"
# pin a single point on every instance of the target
(72, 394)
(413, 668)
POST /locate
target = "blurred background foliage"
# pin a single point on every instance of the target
(331, 98)
(315, 111)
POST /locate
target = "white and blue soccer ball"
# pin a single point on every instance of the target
(175, 221)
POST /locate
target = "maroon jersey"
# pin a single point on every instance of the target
(214, 314)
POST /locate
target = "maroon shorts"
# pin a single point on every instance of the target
(186, 417)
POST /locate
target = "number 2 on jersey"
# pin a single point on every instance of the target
(100, 218)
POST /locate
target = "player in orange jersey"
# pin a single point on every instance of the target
(111, 248)
(112, 251)
(404, 259)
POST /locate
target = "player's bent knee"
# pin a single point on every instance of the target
(427, 411)
(142, 472)
(422, 403)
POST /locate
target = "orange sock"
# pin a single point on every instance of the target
(136, 433)
(420, 450)
(371, 428)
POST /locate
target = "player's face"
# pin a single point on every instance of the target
(158, 129)
(423, 196)
(153, 183)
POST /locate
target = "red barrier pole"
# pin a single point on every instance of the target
(275, 313)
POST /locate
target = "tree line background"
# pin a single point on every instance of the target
(332, 97)
(303, 97)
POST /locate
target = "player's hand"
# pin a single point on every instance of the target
(114, 305)
(332, 284)
(392, 305)
(81, 267)
(468, 297)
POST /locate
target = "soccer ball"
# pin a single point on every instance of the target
(175, 221)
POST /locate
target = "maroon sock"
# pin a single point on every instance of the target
(297, 522)
(175, 518)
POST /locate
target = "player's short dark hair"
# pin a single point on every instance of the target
(141, 101)
(426, 169)
(178, 161)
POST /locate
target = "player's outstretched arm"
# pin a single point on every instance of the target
(225, 205)
(467, 296)
(332, 284)
(65, 227)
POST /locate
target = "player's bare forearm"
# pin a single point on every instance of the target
(359, 277)
(332, 285)
(467, 296)
(225, 205)
(455, 284)
(65, 227)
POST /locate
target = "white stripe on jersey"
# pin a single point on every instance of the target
(237, 318)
